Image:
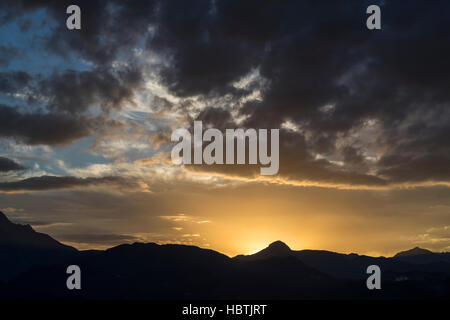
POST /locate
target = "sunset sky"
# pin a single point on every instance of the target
(364, 116)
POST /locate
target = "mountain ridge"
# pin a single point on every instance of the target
(174, 271)
(276, 247)
(413, 252)
(22, 248)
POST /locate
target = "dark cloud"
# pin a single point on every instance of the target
(9, 165)
(6, 55)
(49, 128)
(76, 91)
(216, 118)
(97, 238)
(32, 222)
(108, 27)
(297, 164)
(41, 128)
(55, 183)
(68, 97)
(422, 168)
(59, 104)
(319, 56)
(11, 82)
(205, 56)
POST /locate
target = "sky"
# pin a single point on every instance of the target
(86, 118)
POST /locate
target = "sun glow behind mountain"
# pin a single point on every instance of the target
(86, 118)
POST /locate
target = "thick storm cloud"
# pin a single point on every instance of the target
(49, 128)
(55, 183)
(9, 165)
(11, 82)
(75, 92)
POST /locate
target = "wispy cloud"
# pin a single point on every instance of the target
(185, 218)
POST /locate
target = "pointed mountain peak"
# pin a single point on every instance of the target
(4, 219)
(275, 249)
(413, 252)
(278, 246)
(15, 234)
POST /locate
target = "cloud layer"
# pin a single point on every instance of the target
(355, 107)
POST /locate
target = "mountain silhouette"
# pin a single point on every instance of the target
(33, 266)
(12, 234)
(275, 249)
(22, 248)
(347, 266)
(423, 256)
(413, 252)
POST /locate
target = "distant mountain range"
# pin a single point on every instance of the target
(33, 266)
